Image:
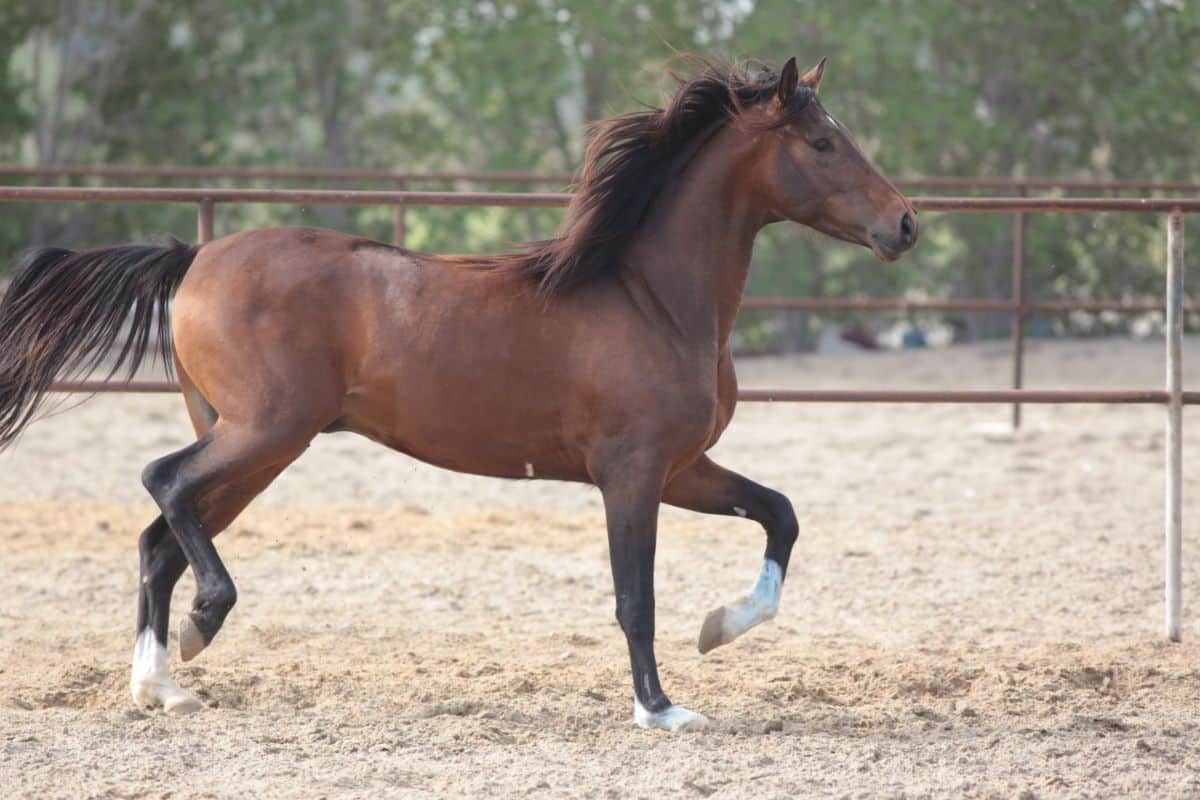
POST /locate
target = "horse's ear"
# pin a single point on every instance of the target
(812, 78)
(788, 80)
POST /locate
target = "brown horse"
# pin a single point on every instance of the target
(601, 355)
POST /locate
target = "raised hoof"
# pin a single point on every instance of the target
(715, 630)
(672, 718)
(191, 640)
(755, 607)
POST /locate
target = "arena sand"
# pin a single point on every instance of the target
(968, 613)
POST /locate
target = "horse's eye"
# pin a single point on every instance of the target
(822, 145)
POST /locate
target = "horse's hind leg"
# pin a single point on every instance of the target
(711, 489)
(226, 455)
(162, 564)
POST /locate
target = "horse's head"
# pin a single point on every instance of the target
(814, 172)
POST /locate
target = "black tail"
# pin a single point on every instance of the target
(64, 311)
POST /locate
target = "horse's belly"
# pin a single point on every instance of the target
(497, 443)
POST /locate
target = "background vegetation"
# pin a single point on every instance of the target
(1066, 88)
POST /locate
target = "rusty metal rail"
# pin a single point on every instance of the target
(301, 197)
(903, 304)
(394, 177)
(968, 396)
(123, 171)
(400, 180)
(206, 200)
(106, 194)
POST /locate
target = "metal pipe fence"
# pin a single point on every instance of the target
(1018, 310)
(401, 178)
(1018, 307)
(1173, 397)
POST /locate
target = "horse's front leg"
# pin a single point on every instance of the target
(631, 499)
(711, 489)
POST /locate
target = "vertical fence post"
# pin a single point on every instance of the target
(1174, 489)
(1018, 314)
(400, 230)
(204, 221)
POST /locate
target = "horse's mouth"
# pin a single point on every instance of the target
(884, 250)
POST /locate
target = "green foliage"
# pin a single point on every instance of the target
(936, 87)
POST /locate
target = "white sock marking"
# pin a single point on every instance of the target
(756, 606)
(528, 470)
(759, 604)
(673, 718)
(151, 683)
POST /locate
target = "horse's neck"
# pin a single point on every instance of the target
(691, 256)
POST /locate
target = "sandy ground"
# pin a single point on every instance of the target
(967, 614)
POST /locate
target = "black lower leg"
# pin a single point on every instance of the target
(774, 512)
(635, 613)
(632, 532)
(215, 592)
(167, 480)
(162, 563)
(711, 489)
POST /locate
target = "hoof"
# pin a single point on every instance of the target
(182, 704)
(165, 692)
(727, 623)
(672, 718)
(714, 632)
(191, 640)
(151, 683)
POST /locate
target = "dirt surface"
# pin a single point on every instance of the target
(968, 613)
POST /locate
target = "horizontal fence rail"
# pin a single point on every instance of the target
(125, 194)
(936, 183)
(304, 197)
(207, 198)
(952, 304)
(968, 396)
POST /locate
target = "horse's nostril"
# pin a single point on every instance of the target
(908, 229)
